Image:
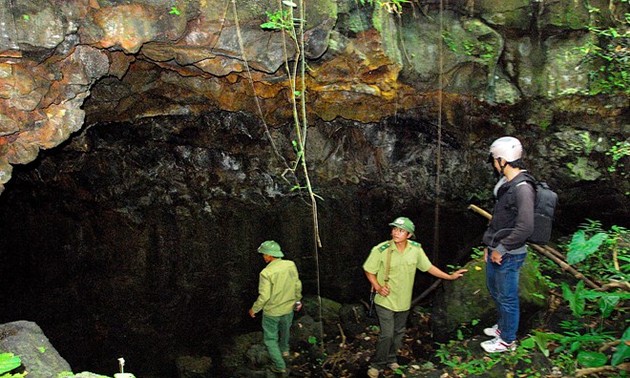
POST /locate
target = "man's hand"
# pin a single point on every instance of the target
(458, 274)
(383, 291)
(496, 257)
(252, 313)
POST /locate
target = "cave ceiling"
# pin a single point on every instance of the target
(65, 64)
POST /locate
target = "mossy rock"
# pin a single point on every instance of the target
(467, 299)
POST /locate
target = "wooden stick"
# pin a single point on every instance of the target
(343, 336)
(565, 266)
(426, 292)
(545, 250)
(624, 285)
(588, 371)
(481, 211)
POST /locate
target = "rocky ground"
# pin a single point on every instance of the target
(347, 350)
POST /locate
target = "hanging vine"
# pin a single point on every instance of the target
(285, 21)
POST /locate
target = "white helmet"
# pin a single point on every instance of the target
(508, 148)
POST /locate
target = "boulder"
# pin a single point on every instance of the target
(26, 340)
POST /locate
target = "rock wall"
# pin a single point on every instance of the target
(144, 146)
(62, 62)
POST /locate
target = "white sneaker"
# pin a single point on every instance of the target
(372, 372)
(497, 345)
(493, 331)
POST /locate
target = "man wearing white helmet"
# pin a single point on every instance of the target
(512, 223)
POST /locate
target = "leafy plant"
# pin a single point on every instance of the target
(598, 252)
(581, 247)
(623, 350)
(617, 152)
(392, 6)
(9, 362)
(609, 52)
(576, 300)
(589, 358)
(175, 11)
(278, 20)
(458, 356)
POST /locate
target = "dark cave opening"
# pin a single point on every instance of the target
(139, 240)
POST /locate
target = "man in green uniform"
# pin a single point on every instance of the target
(279, 293)
(391, 270)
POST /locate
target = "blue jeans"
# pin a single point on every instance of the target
(276, 330)
(393, 325)
(502, 282)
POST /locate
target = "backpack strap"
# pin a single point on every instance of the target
(388, 263)
(388, 260)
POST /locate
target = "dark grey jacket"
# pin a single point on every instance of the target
(513, 215)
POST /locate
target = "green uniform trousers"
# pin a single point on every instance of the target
(276, 331)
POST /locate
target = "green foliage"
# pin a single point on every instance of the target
(8, 362)
(617, 152)
(279, 20)
(582, 247)
(597, 252)
(623, 350)
(175, 11)
(458, 356)
(606, 302)
(539, 339)
(609, 51)
(576, 300)
(472, 47)
(392, 6)
(312, 340)
(589, 358)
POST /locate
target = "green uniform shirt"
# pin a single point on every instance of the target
(279, 287)
(402, 272)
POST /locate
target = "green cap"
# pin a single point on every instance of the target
(404, 223)
(270, 248)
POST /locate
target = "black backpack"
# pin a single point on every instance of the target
(544, 209)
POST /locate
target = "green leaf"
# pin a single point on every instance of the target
(542, 341)
(607, 304)
(175, 11)
(528, 343)
(269, 25)
(581, 247)
(576, 299)
(623, 349)
(312, 340)
(591, 359)
(8, 362)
